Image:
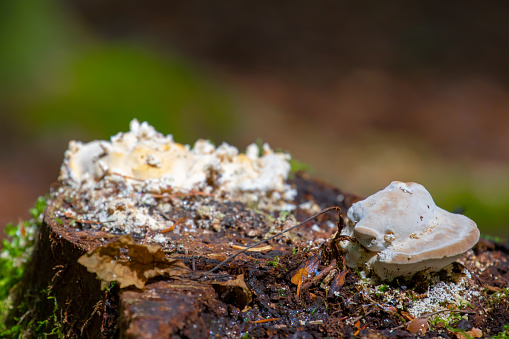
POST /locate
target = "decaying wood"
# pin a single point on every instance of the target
(252, 294)
(162, 308)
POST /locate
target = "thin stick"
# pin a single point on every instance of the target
(264, 320)
(275, 236)
(257, 249)
(320, 275)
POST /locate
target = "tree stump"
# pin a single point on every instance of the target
(251, 296)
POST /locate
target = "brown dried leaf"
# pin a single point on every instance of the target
(475, 332)
(143, 262)
(418, 325)
(407, 315)
(306, 272)
(342, 277)
(493, 289)
(234, 292)
(297, 278)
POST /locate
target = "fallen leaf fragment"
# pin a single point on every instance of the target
(234, 292)
(493, 289)
(418, 325)
(142, 263)
(475, 332)
(407, 315)
(306, 272)
(337, 283)
(297, 278)
(341, 277)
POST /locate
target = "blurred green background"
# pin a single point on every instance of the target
(364, 94)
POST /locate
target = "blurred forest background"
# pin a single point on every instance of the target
(363, 92)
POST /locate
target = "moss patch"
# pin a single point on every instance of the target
(16, 253)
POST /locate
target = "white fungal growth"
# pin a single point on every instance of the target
(134, 166)
(400, 231)
(441, 295)
(155, 163)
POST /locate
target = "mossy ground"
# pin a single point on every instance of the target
(16, 253)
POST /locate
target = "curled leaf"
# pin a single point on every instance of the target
(307, 271)
(142, 263)
(297, 278)
(234, 292)
(475, 332)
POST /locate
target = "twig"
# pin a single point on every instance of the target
(320, 275)
(362, 316)
(264, 320)
(81, 221)
(336, 208)
(169, 229)
(256, 249)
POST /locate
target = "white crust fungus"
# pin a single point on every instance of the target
(116, 181)
(400, 231)
(145, 155)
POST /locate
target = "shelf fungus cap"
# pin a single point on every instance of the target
(400, 231)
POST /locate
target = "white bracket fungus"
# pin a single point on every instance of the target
(400, 231)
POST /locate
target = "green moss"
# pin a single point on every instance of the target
(275, 262)
(28, 326)
(298, 166)
(16, 252)
(497, 297)
(504, 334)
(283, 216)
(492, 238)
(450, 319)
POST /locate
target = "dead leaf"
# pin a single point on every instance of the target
(142, 263)
(342, 276)
(493, 289)
(297, 278)
(307, 271)
(337, 283)
(389, 308)
(407, 315)
(234, 292)
(475, 332)
(418, 325)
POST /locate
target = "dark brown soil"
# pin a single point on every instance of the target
(193, 306)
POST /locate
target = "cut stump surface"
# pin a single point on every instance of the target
(264, 302)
